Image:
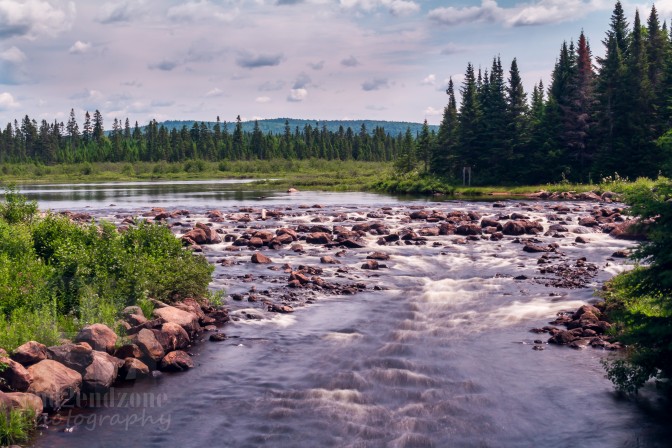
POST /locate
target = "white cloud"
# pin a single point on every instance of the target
(375, 84)
(13, 55)
(431, 112)
(8, 102)
(429, 80)
(199, 11)
(350, 62)
(395, 7)
(297, 95)
(33, 18)
(215, 92)
(263, 99)
(538, 12)
(79, 47)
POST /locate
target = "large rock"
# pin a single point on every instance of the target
(128, 351)
(468, 229)
(318, 238)
(260, 258)
(30, 353)
(133, 369)
(175, 337)
(101, 373)
(75, 356)
(98, 336)
(187, 320)
(211, 235)
(629, 230)
(26, 402)
(176, 361)
(13, 377)
(54, 383)
(150, 346)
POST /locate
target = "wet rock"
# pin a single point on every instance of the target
(175, 337)
(176, 361)
(318, 238)
(581, 240)
(628, 230)
(534, 248)
(128, 351)
(98, 336)
(133, 369)
(489, 222)
(30, 353)
(588, 221)
(562, 338)
(260, 258)
(419, 214)
(380, 256)
(217, 337)
(275, 308)
(370, 264)
(329, 260)
(468, 229)
(352, 244)
(513, 228)
(54, 383)
(622, 253)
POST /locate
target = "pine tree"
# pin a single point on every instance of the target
(518, 124)
(469, 121)
(443, 159)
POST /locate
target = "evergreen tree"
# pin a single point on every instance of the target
(469, 121)
(443, 159)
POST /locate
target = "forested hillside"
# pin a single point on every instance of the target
(598, 117)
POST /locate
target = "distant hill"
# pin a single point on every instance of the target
(277, 125)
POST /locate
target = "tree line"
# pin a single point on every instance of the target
(58, 142)
(597, 117)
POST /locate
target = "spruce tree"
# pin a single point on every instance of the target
(443, 159)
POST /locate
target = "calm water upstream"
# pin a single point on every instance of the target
(441, 358)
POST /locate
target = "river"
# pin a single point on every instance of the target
(441, 356)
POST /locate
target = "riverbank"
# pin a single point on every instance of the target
(312, 174)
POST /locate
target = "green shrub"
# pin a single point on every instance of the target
(16, 208)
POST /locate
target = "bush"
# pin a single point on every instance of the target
(16, 426)
(16, 208)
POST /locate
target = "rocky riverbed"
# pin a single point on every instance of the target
(273, 262)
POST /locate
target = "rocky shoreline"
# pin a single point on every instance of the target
(274, 261)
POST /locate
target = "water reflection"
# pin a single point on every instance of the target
(189, 194)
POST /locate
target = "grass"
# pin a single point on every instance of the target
(15, 426)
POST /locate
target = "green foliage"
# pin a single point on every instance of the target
(16, 208)
(15, 426)
(638, 301)
(57, 276)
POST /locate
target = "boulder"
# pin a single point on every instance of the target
(352, 244)
(586, 309)
(101, 373)
(212, 237)
(260, 258)
(326, 259)
(98, 336)
(187, 320)
(26, 402)
(468, 229)
(628, 230)
(133, 369)
(176, 337)
(74, 356)
(13, 377)
(176, 361)
(197, 236)
(371, 264)
(419, 214)
(54, 383)
(30, 353)
(128, 351)
(380, 256)
(150, 346)
(513, 228)
(318, 238)
(562, 337)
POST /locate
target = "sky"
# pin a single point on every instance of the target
(310, 59)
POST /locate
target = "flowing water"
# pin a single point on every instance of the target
(440, 357)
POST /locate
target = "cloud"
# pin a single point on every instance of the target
(297, 95)
(395, 7)
(301, 82)
(162, 103)
(262, 99)
(198, 11)
(350, 62)
(430, 80)
(431, 112)
(8, 102)
(271, 86)
(537, 12)
(79, 47)
(247, 60)
(288, 2)
(87, 94)
(215, 92)
(33, 18)
(12, 70)
(316, 65)
(121, 11)
(375, 84)
(165, 65)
